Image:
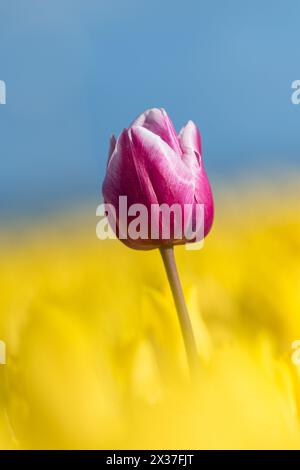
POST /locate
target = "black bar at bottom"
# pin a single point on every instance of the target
(142, 458)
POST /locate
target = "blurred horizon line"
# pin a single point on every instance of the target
(239, 183)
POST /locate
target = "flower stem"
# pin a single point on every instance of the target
(168, 257)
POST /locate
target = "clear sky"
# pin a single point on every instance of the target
(77, 70)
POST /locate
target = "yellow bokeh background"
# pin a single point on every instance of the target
(95, 357)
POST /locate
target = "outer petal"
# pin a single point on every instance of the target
(171, 180)
(168, 176)
(112, 146)
(146, 170)
(121, 177)
(203, 195)
(190, 142)
(189, 139)
(157, 121)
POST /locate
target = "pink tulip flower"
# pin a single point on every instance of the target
(151, 165)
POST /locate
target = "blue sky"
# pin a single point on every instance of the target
(76, 71)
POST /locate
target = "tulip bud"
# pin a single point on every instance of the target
(162, 178)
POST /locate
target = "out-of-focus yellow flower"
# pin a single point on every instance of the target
(94, 353)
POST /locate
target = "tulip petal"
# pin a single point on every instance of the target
(168, 176)
(112, 146)
(157, 164)
(189, 139)
(157, 121)
(190, 142)
(121, 177)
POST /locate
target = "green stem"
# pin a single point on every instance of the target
(168, 257)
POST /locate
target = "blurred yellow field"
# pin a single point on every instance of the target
(94, 353)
